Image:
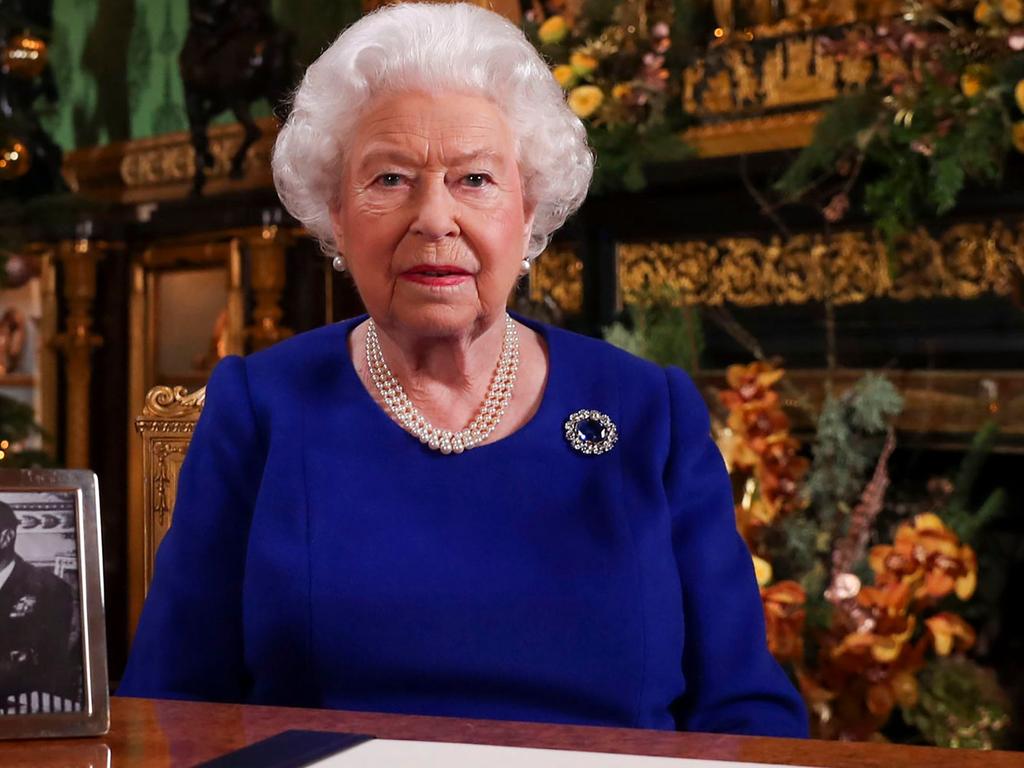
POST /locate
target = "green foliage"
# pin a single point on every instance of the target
(623, 149)
(960, 705)
(844, 125)
(848, 440)
(958, 514)
(661, 331)
(919, 146)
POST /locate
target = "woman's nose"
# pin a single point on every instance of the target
(436, 210)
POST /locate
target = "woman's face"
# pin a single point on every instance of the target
(431, 217)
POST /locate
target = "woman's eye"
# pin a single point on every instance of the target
(389, 179)
(477, 179)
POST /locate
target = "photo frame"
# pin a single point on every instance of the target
(53, 656)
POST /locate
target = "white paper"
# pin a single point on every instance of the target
(387, 753)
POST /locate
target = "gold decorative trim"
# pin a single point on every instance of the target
(964, 262)
(173, 403)
(756, 134)
(161, 438)
(162, 167)
(747, 77)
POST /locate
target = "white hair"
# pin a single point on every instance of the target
(432, 48)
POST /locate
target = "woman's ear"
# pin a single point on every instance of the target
(530, 211)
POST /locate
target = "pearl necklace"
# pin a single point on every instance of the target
(499, 394)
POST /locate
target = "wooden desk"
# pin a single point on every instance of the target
(148, 734)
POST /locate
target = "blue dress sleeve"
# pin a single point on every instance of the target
(189, 642)
(733, 684)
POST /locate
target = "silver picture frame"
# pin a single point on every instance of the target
(57, 523)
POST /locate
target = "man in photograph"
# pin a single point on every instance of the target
(36, 620)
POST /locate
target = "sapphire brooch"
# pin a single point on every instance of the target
(591, 432)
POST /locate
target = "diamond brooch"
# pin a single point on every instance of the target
(591, 432)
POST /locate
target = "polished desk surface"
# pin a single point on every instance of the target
(151, 733)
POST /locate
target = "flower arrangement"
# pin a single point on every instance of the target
(612, 60)
(858, 610)
(945, 110)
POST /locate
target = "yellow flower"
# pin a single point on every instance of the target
(763, 571)
(621, 91)
(1018, 136)
(565, 76)
(582, 64)
(984, 13)
(1018, 95)
(553, 30)
(949, 631)
(1012, 10)
(970, 85)
(585, 100)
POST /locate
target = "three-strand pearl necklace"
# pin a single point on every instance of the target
(499, 394)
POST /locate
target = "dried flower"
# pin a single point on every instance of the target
(837, 207)
(622, 91)
(565, 75)
(984, 13)
(582, 64)
(553, 31)
(1017, 134)
(970, 85)
(922, 147)
(585, 99)
(1018, 95)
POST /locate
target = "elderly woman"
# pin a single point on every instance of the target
(438, 508)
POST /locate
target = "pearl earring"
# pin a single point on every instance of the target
(525, 268)
(338, 263)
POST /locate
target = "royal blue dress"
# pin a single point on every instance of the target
(320, 556)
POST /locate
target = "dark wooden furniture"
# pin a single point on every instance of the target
(148, 734)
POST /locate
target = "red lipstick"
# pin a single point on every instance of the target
(436, 274)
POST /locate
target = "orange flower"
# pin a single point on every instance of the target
(784, 615)
(750, 383)
(949, 631)
(929, 557)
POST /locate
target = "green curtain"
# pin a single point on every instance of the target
(116, 63)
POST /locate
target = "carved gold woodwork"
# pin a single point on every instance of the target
(164, 430)
(964, 261)
(78, 259)
(793, 72)
(558, 273)
(758, 134)
(162, 167)
(267, 278)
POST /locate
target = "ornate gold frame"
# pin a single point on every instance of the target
(164, 431)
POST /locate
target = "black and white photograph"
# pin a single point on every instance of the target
(40, 606)
(53, 670)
